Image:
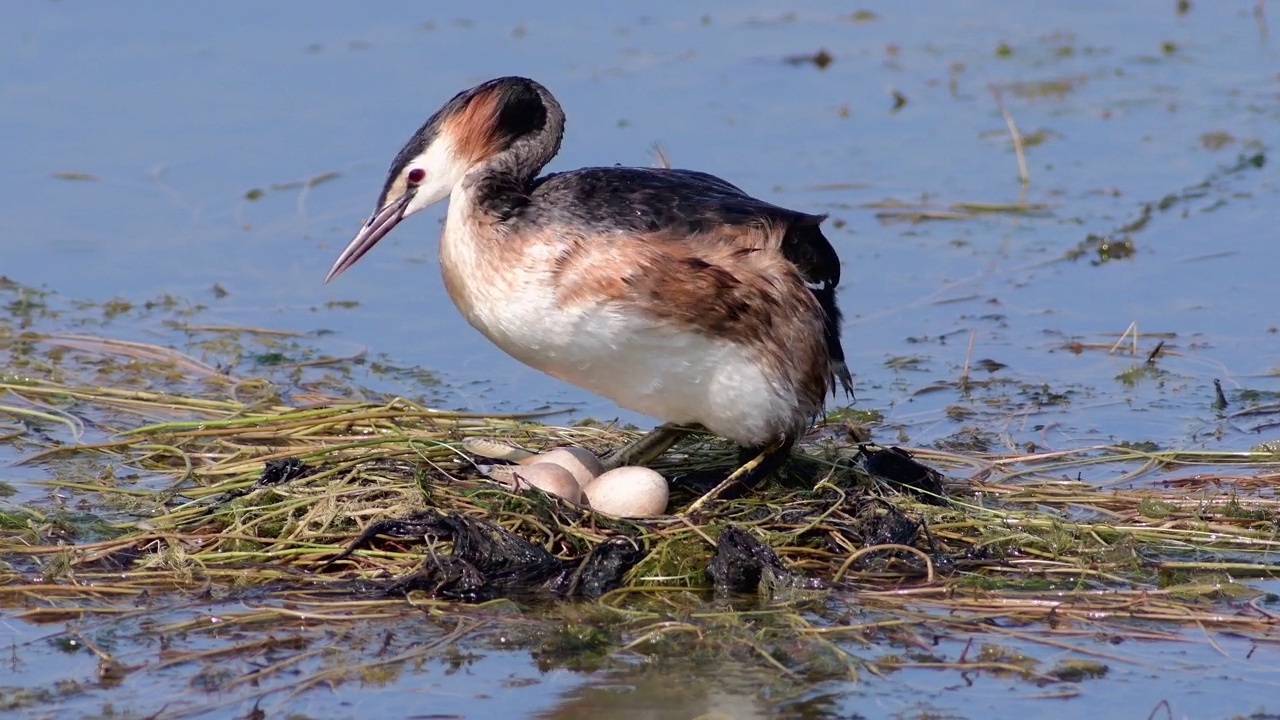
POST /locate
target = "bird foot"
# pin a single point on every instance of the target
(647, 448)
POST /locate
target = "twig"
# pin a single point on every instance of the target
(968, 358)
(1023, 175)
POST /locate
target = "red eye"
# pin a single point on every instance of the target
(416, 175)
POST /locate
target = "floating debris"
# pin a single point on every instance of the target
(74, 176)
(820, 59)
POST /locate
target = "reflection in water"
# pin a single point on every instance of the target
(725, 692)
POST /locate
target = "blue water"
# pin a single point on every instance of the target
(179, 110)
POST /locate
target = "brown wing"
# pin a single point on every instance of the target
(688, 208)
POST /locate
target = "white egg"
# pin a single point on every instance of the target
(550, 478)
(581, 463)
(628, 492)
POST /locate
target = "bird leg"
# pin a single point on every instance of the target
(756, 464)
(647, 448)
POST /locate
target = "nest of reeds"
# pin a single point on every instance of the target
(387, 495)
(381, 500)
(379, 493)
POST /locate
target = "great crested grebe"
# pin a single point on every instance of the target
(671, 292)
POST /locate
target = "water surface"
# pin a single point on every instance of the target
(221, 155)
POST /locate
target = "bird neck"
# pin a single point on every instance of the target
(501, 184)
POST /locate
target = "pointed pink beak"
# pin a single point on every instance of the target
(379, 225)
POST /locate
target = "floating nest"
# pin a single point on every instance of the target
(384, 496)
(233, 488)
